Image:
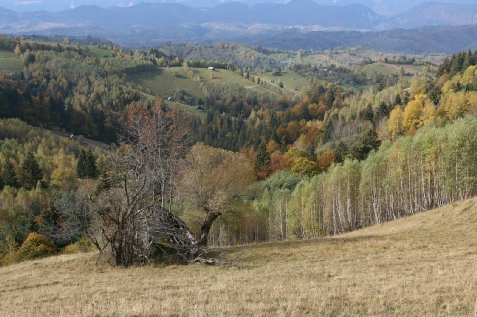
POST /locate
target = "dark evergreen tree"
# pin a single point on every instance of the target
(444, 67)
(104, 183)
(262, 158)
(367, 113)
(31, 172)
(341, 151)
(91, 164)
(304, 112)
(397, 100)
(9, 176)
(81, 165)
(383, 111)
(367, 142)
(86, 165)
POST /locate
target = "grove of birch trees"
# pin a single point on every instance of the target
(435, 167)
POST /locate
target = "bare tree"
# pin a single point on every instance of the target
(142, 170)
(211, 179)
(69, 218)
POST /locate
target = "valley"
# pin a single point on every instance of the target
(280, 158)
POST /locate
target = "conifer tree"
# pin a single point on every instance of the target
(9, 176)
(86, 166)
(81, 168)
(92, 170)
(262, 157)
(31, 172)
(341, 151)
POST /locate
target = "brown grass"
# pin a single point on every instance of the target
(424, 265)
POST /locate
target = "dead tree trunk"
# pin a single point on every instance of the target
(205, 229)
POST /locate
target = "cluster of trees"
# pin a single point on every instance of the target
(65, 90)
(35, 168)
(237, 54)
(433, 168)
(457, 63)
(409, 60)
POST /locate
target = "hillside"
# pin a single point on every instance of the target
(434, 13)
(420, 265)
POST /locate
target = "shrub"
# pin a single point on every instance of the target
(35, 246)
(82, 245)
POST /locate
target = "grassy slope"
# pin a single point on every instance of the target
(224, 76)
(99, 52)
(417, 266)
(290, 79)
(9, 62)
(386, 69)
(163, 81)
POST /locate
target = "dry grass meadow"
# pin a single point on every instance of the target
(425, 265)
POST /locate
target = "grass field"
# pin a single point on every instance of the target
(100, 52)
(224, 76)
(386, 69)
(7, 54)
(163, 81)
(9, 62)
(291, 80)
(10, 65)
(425, 265)
(191, 111)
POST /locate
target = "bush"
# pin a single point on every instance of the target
(35, 246)
(82, 245)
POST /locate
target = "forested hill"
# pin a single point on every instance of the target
(433, 39)
(322, 160)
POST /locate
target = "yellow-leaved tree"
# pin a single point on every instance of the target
(211, 180)
(395, 128)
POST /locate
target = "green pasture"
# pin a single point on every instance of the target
(386, 69)
(224, 76)
(99, 52)
(290, 79)
(190, 110)
(164, 81)
(7, 54)
(10, 64)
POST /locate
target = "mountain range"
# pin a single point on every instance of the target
(382, 7)
(294, 13)
(298, 23)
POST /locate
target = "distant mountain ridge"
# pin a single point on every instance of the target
(295, 12)
(435, 13)
(287, 26)
(382, 7)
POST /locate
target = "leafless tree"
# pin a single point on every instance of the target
(141, 175)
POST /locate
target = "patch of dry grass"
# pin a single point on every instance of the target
(424, 265)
